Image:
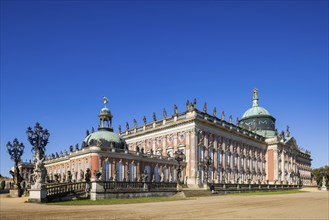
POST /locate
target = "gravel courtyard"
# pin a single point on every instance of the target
(309, 205)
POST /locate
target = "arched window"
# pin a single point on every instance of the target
(164, 174)
(148, 170)
(132, 171)
(156, 174)
(107, 170)
(227, 161)
(201, 153)
(120, 171)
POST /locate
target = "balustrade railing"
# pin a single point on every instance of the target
(251, 187)
(65, 188)
(162, 186)
(122, 185)
(138, 186)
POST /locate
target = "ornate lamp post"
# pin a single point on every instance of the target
(323, 174)
(15, 151)
(179, 157)
(38, 138)
(207, 162)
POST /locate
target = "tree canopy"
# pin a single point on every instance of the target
(318, 176)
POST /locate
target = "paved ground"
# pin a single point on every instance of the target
(309, 205)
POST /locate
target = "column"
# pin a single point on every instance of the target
(215, 155)
(231, 163)
(126, 170)
(194, 157)
(224, 152)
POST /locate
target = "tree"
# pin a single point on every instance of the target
(318, 177)
(2, 185)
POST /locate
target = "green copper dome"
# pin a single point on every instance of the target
(105, 138)
(255, 111)
(258, 119)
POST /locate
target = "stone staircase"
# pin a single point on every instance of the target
(197, 193)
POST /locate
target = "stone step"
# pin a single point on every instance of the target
(197, 193)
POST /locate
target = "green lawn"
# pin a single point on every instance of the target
(266, 193)
(117, 201)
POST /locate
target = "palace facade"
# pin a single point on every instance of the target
(216, 150)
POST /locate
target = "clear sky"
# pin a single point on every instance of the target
(58, 58)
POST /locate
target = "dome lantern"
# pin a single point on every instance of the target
(105, 117)
(105, 137)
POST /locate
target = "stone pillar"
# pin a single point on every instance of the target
(160, 171)
(224, 152)
(187, 154)
(282, 166)
(238, 164)
(114, 170)
(126, 168)
(138, 171)
(215, 167)
(231, 164)
(194, 158)
(175, 142)
(97, 190)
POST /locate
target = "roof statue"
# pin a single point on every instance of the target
(223, 116)
(187, 104)
(214, 112)
(105, 101)
(164, 113)
(135, 123)
(119, 128)
(154, 116)
(194, 103)
(144, 120)
(205, 107)
(287, 131)
(175, 110)
(255, 97)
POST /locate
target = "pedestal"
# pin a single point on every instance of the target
(96, 191)
(38, 195)
(15, 193)
(179, 187)
(323, 188)
(205, 186)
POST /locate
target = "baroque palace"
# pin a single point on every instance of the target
(216, 150)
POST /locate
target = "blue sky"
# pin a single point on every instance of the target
(58, 58)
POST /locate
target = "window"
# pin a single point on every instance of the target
(156, 174)
(148, 169)
(201, 153)
(107, 170)
(120, 171)
(164, 174)
(132, 170)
